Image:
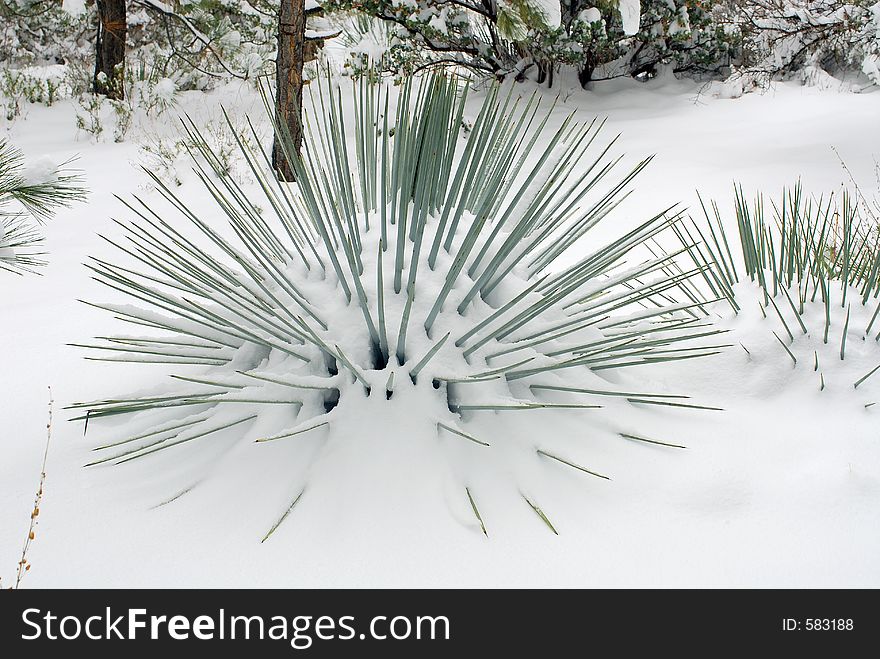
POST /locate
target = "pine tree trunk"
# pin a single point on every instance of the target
(585, 74)
(110, 48)
(289, 82)
(587, 67)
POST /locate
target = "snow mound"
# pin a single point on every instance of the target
(630, 15)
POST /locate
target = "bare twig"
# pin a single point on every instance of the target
(23, 564)
(865, 202)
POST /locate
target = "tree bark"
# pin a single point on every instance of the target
(587, 67)
(289, 83)
(585, 74)
(110, 48)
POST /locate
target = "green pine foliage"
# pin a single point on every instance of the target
(24, 205)
(518, 38)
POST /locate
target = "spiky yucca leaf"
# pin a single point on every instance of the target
(410, 254)
(802, 253)
(804, 242)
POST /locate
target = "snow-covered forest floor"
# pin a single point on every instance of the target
(782, 488)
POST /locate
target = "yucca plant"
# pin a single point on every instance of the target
(415, 257)
(805, 252)
(25, 204)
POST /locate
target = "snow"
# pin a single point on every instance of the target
(779, 489)
(369, 47)
(40, 170)
(816, 76)
(438, 22)
(165, 89)
(682, 22)
(231, 39)
(630, 15)
(321, 34)
(551, 10)
(164, 7)
(74, 7)
(138, 18)
(871, 67)
(590, 15)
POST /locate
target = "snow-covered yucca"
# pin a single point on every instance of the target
(417, 262)
(816, 265)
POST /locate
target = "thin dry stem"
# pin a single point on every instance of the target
(23, 564)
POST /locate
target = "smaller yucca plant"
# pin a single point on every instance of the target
(413, 260)
(816, 263)
(25, 204)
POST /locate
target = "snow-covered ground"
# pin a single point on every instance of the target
(782, 488)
